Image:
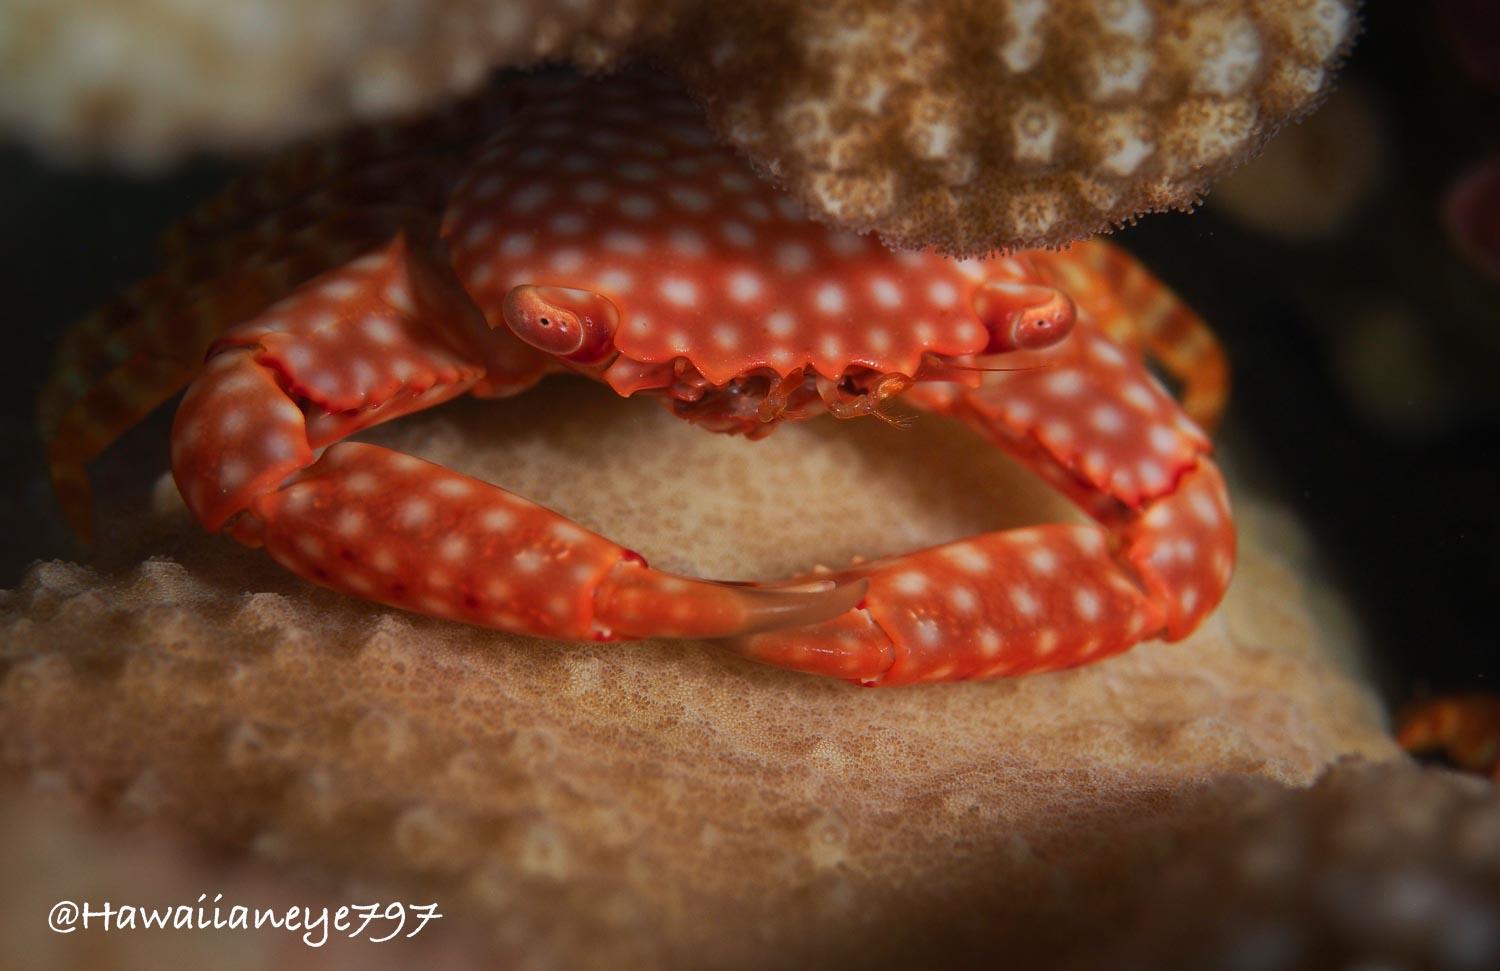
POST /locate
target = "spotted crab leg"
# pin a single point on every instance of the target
(366, 162)
(128, 358)
(1136, 310)
(386, 336)
(1094, 423)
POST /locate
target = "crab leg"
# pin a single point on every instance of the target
(1093, 423)
(386, 336)
(328, 170)
(122, 363)
(1134, 308)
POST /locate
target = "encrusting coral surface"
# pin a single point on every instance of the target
(671, 803)
(949, 123)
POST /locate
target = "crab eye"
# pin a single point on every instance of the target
(1044, 326)
(1023, 316)
(568, 323)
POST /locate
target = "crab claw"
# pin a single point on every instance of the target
(383, 337)
(1054, 596)
(634, 601)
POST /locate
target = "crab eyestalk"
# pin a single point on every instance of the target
(1023, 316)
(575, 325)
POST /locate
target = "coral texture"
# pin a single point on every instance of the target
(666, 803)
(1382, 866)
(952, 124)
(145, 80)
(1025, 121)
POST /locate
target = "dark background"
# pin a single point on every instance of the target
(1384, 438)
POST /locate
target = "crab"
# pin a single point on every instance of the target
(601, 231)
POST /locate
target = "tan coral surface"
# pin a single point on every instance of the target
(665, 802)
(961, 124)
(1376, 866)
(951, 123)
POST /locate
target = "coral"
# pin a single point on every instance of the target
(943, 124)
(951, 124)
(665, 803)
(1385, 866)
(145, 80)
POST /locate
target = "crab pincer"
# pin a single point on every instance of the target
(1091, 421)
(379, 338)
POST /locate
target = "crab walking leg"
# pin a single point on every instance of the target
(365, 344)
(127, 360)
(1133, 307)
(364, 158)
(1051, 596)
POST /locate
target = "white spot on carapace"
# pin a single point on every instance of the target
(966, 557)
(1107, 419)
(616, 281)
(622, 242)
(887, 294)
(687, 242)
(568, 224)
(737, 233)
(942, 293)
(744, 286)
(591, 192)
(793, 257)
(350, 523)
(1063, 383)
(568, 260)
(735, 182)
(682, 292)
(529, 197)
(1042, 561)
(638, 172)
(831, 299)
(415, 512)
(693, 200)
(1086, 602)
(911, 583)
(963, 600)
(496, 519)
(846, 244)
(637, 207)
(568, 533)
(518, 244)
(1204, 508)
(781, 323)
(452, 488)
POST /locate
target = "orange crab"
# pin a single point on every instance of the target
(600, 230)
